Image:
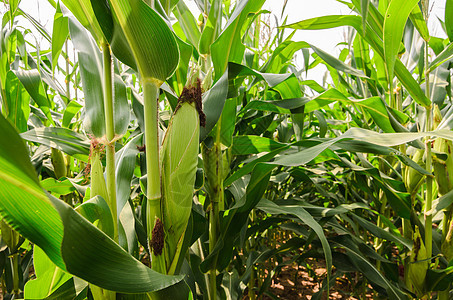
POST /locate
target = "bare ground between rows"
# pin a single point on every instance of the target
(295, 283)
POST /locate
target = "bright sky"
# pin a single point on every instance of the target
(296, 10)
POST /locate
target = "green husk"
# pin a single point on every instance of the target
(179, 159)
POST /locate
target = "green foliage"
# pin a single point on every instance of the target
(353, 172)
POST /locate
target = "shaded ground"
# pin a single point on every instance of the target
(293, 283)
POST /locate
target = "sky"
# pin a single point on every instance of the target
(296, 10)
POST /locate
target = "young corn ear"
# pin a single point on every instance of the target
(412, 178)
(58, 162)
(443, 169)
(98, 186)
(179, 159)
(418, 265)
(447, 244)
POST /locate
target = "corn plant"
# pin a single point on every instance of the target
(188, 156)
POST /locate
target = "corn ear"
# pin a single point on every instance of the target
(412, 178)
(213, 168)
(447, 246)
(419, 263)
(179, 158)
(443, 169)
(98, 186)
(58, 162)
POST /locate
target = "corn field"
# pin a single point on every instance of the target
(153, 151)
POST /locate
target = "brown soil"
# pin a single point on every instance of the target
(296, 284)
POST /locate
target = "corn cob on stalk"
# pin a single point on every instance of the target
(412, 178)
(58, 162)
(179, 159)
(418, 265)
(99, 188)
(443, 169)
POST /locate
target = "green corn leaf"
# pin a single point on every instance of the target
(91, 68)
(188, 23)
(213, 102)
(337, 64)
(367, 268)
(212, 27)
(37, 219)
(373, 40)
(71, 110)
(96, 210)
(56, 228)
(179, 78)
(125, 164)
(49, 278)
(228, 47)
(252, 144)
(68, 141)
(31, 81)
(149, 37)
(272, 208)
(83, 11)
(60, 33)
(364, 6)
(113, 33)
(418, 20)
(449, 19)
(62, 187)
(17, 102)
(395, 19)
(444, 56)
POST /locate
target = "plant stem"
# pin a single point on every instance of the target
(429, 179)
(68, 76)
(110, 134)
(212, 241)
(206, 276)
(213, 166)
(15, 263)
(153, 190)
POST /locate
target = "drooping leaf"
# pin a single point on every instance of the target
(228, 47)
(16, 105)
(31, 81)
(213, 102)
(374, 40)
(66, 140)
(91, 68)
(272, 208)
(55, 227)
(152, 43)
(212, 27)
(188, 23)
(49, 277)
(419, 22)
(449, 19)
(83, 11)
(60, 33)
(395, 18)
